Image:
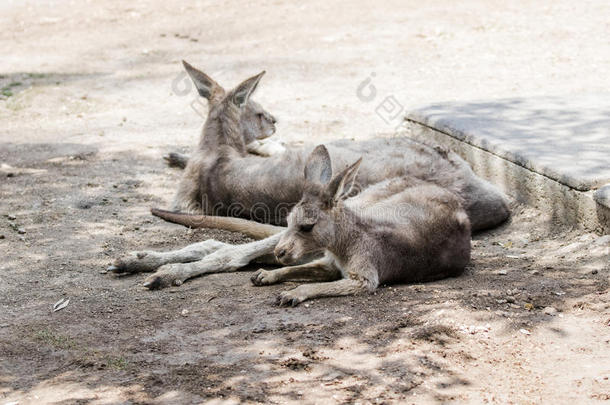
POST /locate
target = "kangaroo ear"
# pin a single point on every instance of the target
(342, 184)
(318, 169)
(242, 93)
(206, 87)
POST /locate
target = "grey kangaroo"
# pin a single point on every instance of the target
(399, 230)
(221, 178)
(256, 125)
(222, 175)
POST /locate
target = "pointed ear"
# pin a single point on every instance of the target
(206, 87)
(341, 185)
(318, 169)
(242, 93)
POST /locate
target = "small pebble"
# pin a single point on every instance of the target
(502, 273)
(332, 376)
(21, 231)
(550, 311)
(184, 312)
(260, 328)
(11, 217)
(593, 271)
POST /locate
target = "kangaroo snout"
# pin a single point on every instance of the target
(284, 253)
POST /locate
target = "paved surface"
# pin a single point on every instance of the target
(564, 138)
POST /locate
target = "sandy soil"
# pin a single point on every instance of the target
(88, 101)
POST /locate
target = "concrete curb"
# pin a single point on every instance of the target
(566, 205)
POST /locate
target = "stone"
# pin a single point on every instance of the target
(549, 311)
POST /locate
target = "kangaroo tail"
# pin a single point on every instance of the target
(251, 228)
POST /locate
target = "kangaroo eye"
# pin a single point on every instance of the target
(306, 227)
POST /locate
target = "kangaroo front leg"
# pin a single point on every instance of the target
(346, 286)
(266, 147)
(225, 259)
(138, 262)
(318, 270)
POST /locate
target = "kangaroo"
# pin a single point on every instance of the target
(256, 125)
(400, 230)
(221, 178)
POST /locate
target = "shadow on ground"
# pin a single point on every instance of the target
(220, 337)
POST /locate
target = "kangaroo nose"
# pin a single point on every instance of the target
(280, 253)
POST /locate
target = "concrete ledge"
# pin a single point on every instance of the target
(564, 138)
(565, 204)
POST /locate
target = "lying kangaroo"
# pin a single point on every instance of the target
(400, 230)
(256, 125)
(223, 179)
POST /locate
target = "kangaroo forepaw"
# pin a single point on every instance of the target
(263, 277)
(136, 262)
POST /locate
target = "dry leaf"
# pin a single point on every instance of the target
(61, 304)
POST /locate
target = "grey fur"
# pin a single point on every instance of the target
(213, 183)
(222, 175)
(222, 178)
(399, 230)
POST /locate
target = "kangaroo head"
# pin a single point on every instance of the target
(312, 223)
(253, 121)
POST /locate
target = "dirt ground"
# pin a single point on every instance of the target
(90, 99)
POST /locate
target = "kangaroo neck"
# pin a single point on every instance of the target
(223, 128)
(349, 229)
